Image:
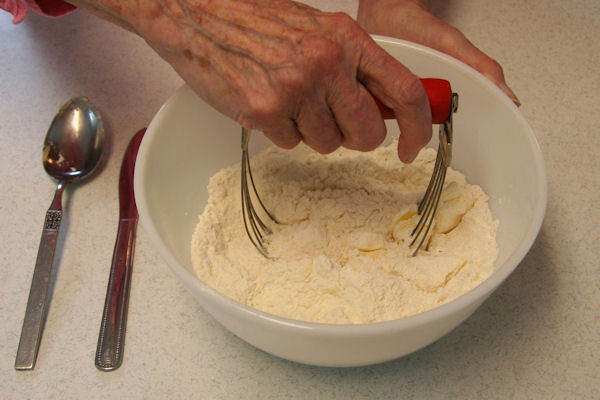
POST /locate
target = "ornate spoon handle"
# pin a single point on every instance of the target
(35, 313)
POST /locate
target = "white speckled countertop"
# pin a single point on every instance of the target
(537, 337)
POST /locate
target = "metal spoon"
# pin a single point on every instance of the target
(72, 150)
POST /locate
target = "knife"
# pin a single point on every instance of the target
(111, 340)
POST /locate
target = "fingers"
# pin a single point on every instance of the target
(488, 67)
(332, 108)
(346, 117)
(377, 73)
(415, 127)
(457, 45)
(311, 121)
(285, 135)
(350, 117)
(317, 125)
(414, 121)
(357, 116)
(332, 88)
(398, 89)
(411, 20)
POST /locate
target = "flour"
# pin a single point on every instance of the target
(341, 253)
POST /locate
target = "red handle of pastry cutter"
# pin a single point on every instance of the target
(439, 93)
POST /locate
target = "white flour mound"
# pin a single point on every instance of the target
(341, 253)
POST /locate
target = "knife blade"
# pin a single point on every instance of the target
(111, 340)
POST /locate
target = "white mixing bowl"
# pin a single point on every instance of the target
(188, 141)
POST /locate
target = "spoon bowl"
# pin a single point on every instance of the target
(72, 150)
(74, 142)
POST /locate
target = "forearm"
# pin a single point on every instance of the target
(253, 28)
(106, 10)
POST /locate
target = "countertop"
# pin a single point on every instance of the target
(536, 337)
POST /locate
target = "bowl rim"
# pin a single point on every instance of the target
(478, 293)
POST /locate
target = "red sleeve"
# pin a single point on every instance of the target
(19, 8)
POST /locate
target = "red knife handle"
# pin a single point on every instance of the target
(439, 94)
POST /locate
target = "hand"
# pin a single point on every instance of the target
(281, 67)
(410, 20)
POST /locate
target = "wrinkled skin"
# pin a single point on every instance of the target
(289, 70)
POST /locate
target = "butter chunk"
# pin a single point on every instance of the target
(428, 272)
(455, 201)
(366, 241)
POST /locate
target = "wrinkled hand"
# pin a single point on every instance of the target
(291, 71)
(410, 20)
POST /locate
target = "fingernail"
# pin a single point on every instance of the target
(504, 87)
(406, 156)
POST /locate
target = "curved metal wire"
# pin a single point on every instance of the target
(256, 228)
(430, 201)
